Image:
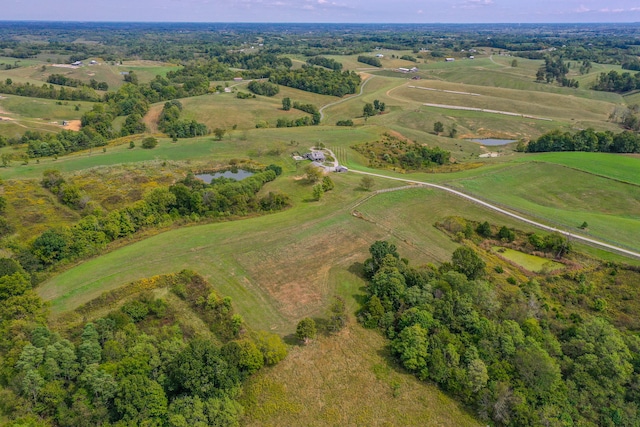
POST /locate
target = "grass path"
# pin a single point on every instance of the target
(340, 101)
(537, 224)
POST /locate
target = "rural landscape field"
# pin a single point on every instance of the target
(272, 225)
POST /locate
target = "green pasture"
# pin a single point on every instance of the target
(532, 263)
(263, 145)
(22, 107)
(224, 110)
(485, 72)
(565, 197)
(620, 167)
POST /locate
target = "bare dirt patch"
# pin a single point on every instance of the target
(151, 118)
(297, 282)
(73, 125)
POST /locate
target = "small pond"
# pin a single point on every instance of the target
(237, 174)
(492, 141)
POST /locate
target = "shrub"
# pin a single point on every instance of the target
(149, 142)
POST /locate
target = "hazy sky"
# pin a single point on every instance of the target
(392, 11)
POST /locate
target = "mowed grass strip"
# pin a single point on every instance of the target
(620, 167)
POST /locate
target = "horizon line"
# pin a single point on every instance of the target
(317, 23)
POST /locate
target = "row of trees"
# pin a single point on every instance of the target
(554, 68)
(190, 199)
(513, 364)
(587, 140)
(53, 145)
(370, 60)
(48, 91)
(59, 79)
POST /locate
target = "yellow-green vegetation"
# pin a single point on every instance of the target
(32, 209)
(529, 262)
(346, 379)
(283, 266)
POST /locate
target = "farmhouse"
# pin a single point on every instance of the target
(379, 55)
(315, 156)
(449, 59)
(237, 79)
(77, 63)
(403, 70)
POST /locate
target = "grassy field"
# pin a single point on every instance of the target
(32, 71)
(532, 263)
(564, 196)
(357, 387)
(619, 167)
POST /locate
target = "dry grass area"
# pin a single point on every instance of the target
(346, 380)
(32, 209)
(113, 187)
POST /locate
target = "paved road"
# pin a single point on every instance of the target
(512, 215)
(345, 99)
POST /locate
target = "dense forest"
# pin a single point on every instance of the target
(502, 349)
(140, 364)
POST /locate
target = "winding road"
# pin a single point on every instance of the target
(340, 101)
(574, 236)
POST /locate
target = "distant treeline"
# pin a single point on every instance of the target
(318, 80)
(325, 62)
(587, 140)
(617, 82)
(263, 88)
(67, 141)
(85, 93)
(59, 79)
(370, 60)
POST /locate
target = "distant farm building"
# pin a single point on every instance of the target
(449, 59)
(237, 79)
(93, 62)
(77, 63)
(341, 168)
(379, 55)
(408, 70)
(315, 156)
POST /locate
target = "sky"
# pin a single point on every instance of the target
(349, 11)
